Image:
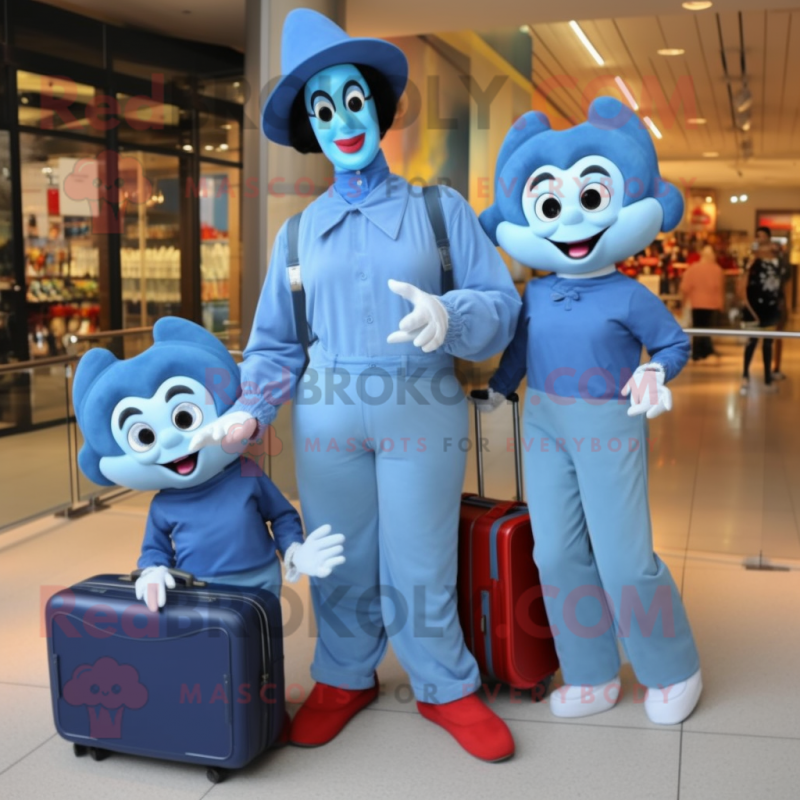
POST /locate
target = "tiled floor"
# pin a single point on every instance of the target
(725, 484)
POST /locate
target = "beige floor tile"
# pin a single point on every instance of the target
(26, 722)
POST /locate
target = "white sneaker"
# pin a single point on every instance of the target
(770, 388)
(745, 387)
(673, 704)
(571, 702)
(778, 376)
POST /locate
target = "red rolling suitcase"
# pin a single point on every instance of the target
(499, 596)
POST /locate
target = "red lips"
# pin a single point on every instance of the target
(350, 145)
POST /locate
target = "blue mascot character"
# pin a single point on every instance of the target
(209, 517)
(385, 312)
(573, 203)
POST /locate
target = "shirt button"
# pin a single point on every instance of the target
(359, 182)
(369, 320)
(362, 276)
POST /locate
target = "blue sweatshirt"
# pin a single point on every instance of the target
(219, 527)
(583, 338)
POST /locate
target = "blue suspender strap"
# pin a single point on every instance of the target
(433, 205)
(296, 283)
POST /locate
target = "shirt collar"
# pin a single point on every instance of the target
(356, 185)
(384, 207)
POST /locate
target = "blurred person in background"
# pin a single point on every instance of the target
(703, 288)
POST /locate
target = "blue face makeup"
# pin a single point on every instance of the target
(576, 219)
(344, 116)
(154, 434)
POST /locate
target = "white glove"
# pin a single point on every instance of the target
(151, 586)
(491, 403)
(648, 392)
(426, 325)
(216, 431)
(316, 556)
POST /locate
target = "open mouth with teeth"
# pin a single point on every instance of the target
(579, 250)
(185, 465)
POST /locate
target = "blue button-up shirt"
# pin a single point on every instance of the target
(349, 248)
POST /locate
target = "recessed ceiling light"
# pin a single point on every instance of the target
(697, 5)
(525, 29)
(187, 148)
(586, 43)
(734, 199)
(209, 147)
(697, 121)
(671, 51)
(743, 198)
(223, 146)
(709, 199)
(711, 154)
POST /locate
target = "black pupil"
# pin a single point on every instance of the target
(591, 199)
(325, 114)
(355, 104)
(116, 688)
(95, 688)
(551, 208)
(184, 419)
(146, 436)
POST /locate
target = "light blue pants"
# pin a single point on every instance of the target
(269, 578)
(382, 460)
(586, 483)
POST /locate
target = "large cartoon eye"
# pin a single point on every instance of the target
(141, 437)
(596, 197)
(94, 689)
(116, 688)
(323, 106)
(187, 416)
(548, 207)
(354, 97)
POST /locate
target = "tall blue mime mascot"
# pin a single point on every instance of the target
(378, 419)
(575, 203)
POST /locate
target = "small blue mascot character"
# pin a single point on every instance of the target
(209, 516)
(573, 203)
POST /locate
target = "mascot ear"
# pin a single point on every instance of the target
(489, 220)
(526, 127)
(671, 200)
(92, 364)
(89, 462)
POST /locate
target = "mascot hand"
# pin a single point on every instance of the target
(649, 394)
(230, 428)
(317, 556)
(490, 402)
(151, 586)
(426, 325)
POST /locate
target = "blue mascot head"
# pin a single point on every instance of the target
(578, 200)
(138, 416)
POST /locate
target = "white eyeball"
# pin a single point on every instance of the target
(548, 207)
(354, 98)
(324, 109)
(141, 437)
(595, 197)
(187, 416)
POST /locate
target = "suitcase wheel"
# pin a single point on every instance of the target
(80, 750)
(98, 754)
(541, 690)
(215, 775)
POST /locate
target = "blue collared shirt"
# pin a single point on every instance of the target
(348, 252)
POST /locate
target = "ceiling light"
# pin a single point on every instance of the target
(709, 199)
(236, 84)
(743, 198)
(223, 146)
(734, 199)
(711, 154)
(743, 100)
(650, 124)
(24, 100)
(226, 127)
(209, 147)
(697, 5)
(671, 51)
(697, 121)
(187, 148)
(586, 43)
(627, 93)
(525, 29)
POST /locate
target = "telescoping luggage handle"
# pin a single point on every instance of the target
(513, 398)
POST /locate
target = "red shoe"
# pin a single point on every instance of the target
(326, 711)
(474, 726)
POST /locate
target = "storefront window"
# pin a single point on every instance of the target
(10, 291)
(220, 249)
(55, 102)
(220, 137)
(151, 256)
(63, 225)
(149, 121)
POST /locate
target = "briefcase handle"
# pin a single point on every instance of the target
(188, 579)
(513, 398)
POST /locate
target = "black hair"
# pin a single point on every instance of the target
(766, 230)
(301, 134)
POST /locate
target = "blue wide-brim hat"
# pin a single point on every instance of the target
(310, 43)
